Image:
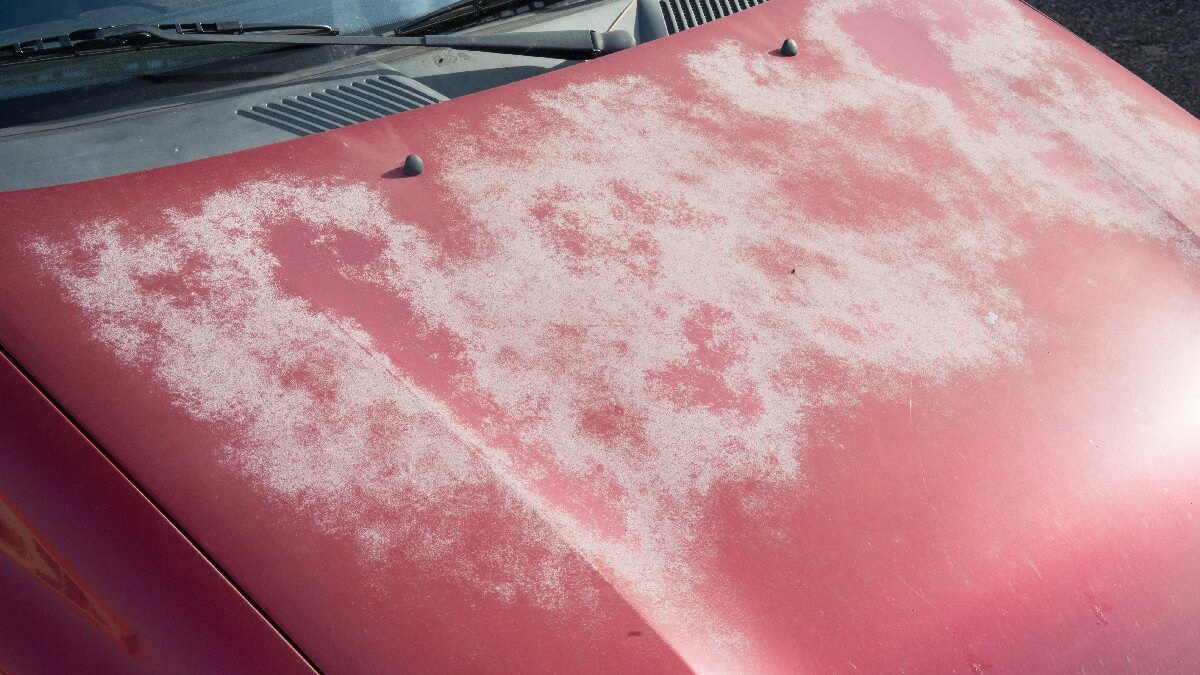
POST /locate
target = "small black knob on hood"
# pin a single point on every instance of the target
(414, 165)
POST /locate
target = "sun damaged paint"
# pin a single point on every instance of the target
(881, 356)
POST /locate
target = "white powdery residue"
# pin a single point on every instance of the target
(301, 395)
(1128, 140)
(627, 260)
(1128, 143)
(631, 306)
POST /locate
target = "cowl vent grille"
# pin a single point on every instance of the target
(684, 14)
(348, 103)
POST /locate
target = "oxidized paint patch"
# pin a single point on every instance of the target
(321, 418)
(642, 302)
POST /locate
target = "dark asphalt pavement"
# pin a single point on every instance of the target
(1159, 40)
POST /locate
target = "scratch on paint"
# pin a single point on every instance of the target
(912, 588)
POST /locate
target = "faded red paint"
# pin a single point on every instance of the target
(880, 357)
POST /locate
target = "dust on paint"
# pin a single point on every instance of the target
(628, 333)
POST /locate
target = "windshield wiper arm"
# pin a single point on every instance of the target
(564, 44)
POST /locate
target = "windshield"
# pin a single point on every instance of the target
(29, 19)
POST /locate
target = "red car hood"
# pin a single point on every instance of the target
(879, 357)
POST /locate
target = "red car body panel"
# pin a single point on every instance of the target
(95, 579)
(879, 357)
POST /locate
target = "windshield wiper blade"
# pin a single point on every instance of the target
(458, 12)
(564, 44)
